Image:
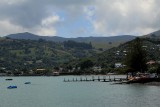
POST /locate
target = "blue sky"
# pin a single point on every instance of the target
(79, 18)
(80, 28)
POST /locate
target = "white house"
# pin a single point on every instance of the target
(118, 65)
(97, 69)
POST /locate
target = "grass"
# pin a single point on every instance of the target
(105, 45)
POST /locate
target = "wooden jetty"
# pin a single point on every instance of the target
(98, 79)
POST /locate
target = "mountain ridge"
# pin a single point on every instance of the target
(154, 35)
(98, 42)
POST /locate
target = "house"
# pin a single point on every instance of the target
(40, 71)
(3, 74)
(97, 68)
(118, 65)
(151, 62)
(55, 73)
(144, 46)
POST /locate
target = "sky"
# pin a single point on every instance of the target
(79, 18)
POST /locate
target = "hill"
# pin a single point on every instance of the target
(151, 43)
(97, 42)
(153, 35)
(30, 36)
(105, 61)
(116, 55)
(32, 54)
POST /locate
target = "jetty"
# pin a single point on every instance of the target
(95, 79)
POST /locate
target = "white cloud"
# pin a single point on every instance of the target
(7, 28)
(106, 17)
(46, 27)
(35, 16)
(50, 20)
(125, 17)
(11, 2)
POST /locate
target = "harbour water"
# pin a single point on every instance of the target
(53, 92)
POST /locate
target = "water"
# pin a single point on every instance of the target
(53, 92)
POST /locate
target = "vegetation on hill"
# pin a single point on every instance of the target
(109, 58)
(78, 58)
(79, 45)
(135, 59)
(31, 54)
(133, 54)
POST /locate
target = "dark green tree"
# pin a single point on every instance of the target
(136, 56)
(87, 63)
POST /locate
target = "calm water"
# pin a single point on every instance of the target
(53, 92)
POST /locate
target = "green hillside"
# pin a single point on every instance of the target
(32, 54)
(117, 54)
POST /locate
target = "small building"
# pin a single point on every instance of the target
(55, 73)
(144, 46)
(151, 62)
(118, 65)
(40, 71)
(97, 69)
(3, 74)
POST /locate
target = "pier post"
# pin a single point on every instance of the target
(104, 79)
(109, 78)
(92, 78)
(86, 78)
(98, 78)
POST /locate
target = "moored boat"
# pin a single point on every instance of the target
(11, 87)
(9, 79)
(27, 83)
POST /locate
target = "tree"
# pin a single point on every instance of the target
(87, 63)
(158, 69)
(56, 68)
(136, 56)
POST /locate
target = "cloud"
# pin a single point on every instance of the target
(80, 17)
(34, 15)
(126, 17)
(7, 28)
(45, 28)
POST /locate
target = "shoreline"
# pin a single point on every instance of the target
(152, 83)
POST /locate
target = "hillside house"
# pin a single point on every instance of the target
(118, 65)
(151, 62)
(97, 68)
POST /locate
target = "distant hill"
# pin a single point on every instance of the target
(153, 35)
(30, 36)
(97, 42)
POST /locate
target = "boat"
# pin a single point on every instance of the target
(11, 87)
(27, 83)
(9, 79)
